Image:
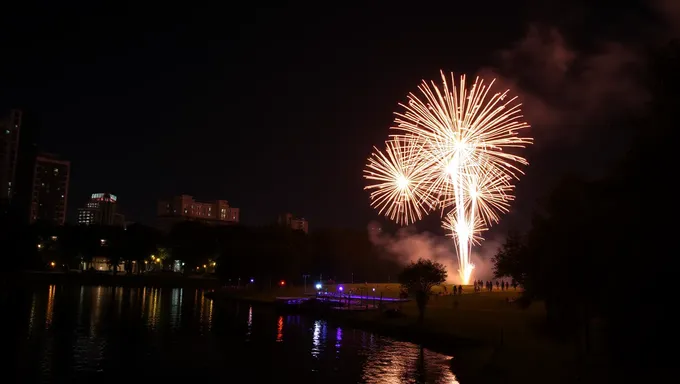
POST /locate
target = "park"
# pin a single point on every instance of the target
(488, 333)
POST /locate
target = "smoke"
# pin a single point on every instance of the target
(407, 246)
(669, 11)
(561, 86)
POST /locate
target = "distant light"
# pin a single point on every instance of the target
(205, 266)
(340, 288)
(318, 285)
(282, 283)
(252, 280)
(373, 289)
(52, 264)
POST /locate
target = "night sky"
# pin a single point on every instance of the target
(277, 109)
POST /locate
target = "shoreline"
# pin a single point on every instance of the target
(469, 356)
(119, 280)
(490, 339)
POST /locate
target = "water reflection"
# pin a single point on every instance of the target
(81, 333)
(176, 308)
(338, 339)
(250, 323)
(206, 313)
(50, 306)
(316, 339)
(400, 362)
(153, 306)
(279, 330)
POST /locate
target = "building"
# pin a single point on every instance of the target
(50, 189)
(10, 128)
(101, 210)
(294, 223)
(184, 207)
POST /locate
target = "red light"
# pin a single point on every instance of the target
(282, 283)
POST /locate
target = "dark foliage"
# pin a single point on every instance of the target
(266, 254)
(596, 249)
(419, 278)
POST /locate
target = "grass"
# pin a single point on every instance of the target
(513, 347)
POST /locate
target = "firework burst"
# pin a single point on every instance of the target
(453, 152)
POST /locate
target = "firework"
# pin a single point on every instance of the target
(398, 187)
(454, 152)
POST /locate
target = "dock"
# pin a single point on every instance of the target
(335, 302)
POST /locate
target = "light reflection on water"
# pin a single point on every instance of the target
(79, 333)
(279, 330)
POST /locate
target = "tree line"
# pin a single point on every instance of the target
(598, 249)
(269, 252)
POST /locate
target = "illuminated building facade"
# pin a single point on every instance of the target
(50, 189)
(294, 223)
(184, 207)
(10, 127)
(101, 210)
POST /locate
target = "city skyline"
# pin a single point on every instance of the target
(101, 208)
(277, 120)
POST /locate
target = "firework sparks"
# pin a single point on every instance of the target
(454, 153)
(398, 187)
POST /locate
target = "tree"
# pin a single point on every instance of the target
(510, 259)
(418, 278)
(192, 243)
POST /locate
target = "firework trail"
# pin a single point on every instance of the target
(454, 153)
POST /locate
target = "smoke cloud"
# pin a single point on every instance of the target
(407, 246)
(562, 87)
(669, 11)
(566, 89)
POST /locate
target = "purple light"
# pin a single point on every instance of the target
(373, 289)
(252, 280)
(340, 288)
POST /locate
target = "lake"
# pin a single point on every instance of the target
(107, 334)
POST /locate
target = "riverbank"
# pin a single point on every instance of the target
(491, 339)
(119, 280)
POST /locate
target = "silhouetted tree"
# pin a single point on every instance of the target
(511, 257)
(419, 278)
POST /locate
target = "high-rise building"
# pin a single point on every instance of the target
(50, 189)
(294, 223)
(10, 128)
(101, 210)
(184, 207)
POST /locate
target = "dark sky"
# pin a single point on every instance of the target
(276, 109)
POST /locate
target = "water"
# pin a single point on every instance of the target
(107, 334)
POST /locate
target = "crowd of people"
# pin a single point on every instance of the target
(479, 286)
(501, 285)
